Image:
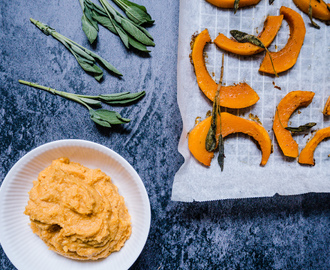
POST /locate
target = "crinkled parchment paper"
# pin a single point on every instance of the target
(243, 176)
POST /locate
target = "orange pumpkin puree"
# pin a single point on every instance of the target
(78, 211)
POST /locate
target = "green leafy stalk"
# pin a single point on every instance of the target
(131, 34)
(244, 37)
(211, 140)
(134, 12)
(301, 128)
(101, 117)
(310, 15)
(86, 58)
(236, 6)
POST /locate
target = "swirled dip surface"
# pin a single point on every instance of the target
(77, 211)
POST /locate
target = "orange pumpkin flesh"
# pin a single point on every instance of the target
(319, 9)
(230, 3)
(230, 124)
(326, 110)
(307, 154)
(285, 108)
(287, 57)
(234, 96)
(271, 26)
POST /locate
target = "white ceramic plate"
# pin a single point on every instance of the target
(26, 250)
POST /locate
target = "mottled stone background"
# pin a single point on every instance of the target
(263, 233)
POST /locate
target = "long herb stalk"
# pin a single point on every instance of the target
(211, 140)
(131, 34)
(101, 117)
(244, 37)
(86, 58)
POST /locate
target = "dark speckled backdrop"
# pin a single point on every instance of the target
(265, 233)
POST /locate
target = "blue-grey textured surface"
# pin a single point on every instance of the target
(263, 233)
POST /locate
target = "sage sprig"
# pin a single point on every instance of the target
(211, 141)
(301, 128)
(244, 37)
(131, 34)
(86, 58)
(101, 117)
(135, 12)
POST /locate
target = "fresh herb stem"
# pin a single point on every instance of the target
(54, 92)
(86, 58)
(101, 117)
(211, 140)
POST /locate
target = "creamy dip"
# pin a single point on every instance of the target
(78, 211)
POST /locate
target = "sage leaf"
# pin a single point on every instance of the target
(112, 117)
(123, 99)
(136, 33)
(236, 6)
(301, 128)
(91, 102)
(137, 45)
(211, 140)
(89, 29)
(221, 155)
(244, 37)
(97, 119)
(136, 13)
(310, 15)
(105, 21)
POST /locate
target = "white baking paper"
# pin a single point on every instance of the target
(242, 176)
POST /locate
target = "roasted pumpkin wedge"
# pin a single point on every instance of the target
(307, 154)
(285, 108)
(230, 124)
(230, 3)
(287, 57)
(326, 110)
(319, 8)
(234, 96)
(271, 26)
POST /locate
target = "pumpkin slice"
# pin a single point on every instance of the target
(230, 3)
(319, 8)
(307, 154)
(271, 26)
(287, 57)
(285, 108)
(234, 96)
(230, 124)
(326, 110)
